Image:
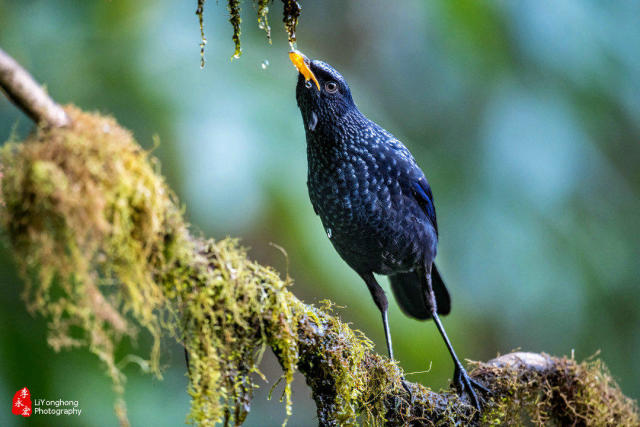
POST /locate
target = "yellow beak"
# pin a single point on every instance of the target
(301, 62)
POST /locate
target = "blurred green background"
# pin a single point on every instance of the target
(524, 115)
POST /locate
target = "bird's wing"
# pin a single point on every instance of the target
(422, 193)
(416, 181)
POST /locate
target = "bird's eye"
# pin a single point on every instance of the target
(331, 87)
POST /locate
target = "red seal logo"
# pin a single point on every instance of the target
(22, 403)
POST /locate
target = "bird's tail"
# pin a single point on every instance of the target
(408, 289)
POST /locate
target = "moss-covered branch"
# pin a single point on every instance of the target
(105, 254)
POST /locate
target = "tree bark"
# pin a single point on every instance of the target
(27, 95)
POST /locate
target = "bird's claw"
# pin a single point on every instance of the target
(406, 387)
(465, 384)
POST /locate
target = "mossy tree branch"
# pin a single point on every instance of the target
(103, 248)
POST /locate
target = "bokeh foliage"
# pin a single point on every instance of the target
(524, 116)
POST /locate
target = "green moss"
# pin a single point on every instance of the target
(104, 251)
(290, 17)
(291, 13)
(234, 19)
(263, 21)
(233, 309)
(555, 391)
(352, 385)
(106, 255)
(87, 215)
(203, 39)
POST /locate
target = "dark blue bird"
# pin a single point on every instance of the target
(374, 202)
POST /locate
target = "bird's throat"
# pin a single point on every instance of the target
(313, 121)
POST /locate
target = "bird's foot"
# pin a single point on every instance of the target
(406, 387)
(465, 384)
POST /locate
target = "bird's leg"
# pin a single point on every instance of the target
(462, 381)
(387, 333)
(380, 299)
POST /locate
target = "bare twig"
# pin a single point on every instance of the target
(27, 95)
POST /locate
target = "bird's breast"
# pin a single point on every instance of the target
(350, 193)
(364, 212)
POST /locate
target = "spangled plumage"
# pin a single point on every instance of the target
(374, 201)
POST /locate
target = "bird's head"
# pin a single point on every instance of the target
(321, 91)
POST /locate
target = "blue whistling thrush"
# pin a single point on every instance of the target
(374, 202)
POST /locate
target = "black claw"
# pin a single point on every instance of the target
(465, 385)
(479, 386)
(405, 385)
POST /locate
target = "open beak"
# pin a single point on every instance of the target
(301, 62)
